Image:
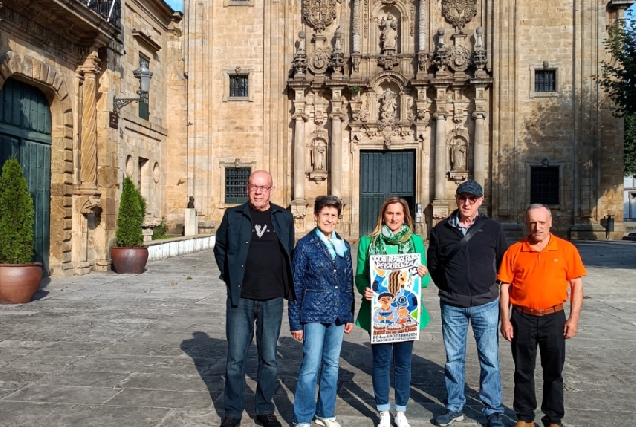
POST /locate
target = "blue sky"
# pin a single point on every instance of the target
(175, 4)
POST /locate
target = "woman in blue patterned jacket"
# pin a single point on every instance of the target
(322, 313)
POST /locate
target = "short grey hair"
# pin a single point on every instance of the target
(533, 206)
(324, 201)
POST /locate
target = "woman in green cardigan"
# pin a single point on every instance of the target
(392, 235)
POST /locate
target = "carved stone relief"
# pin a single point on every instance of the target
(319, 60)
(388, 106)
(318, 155)
(319, 13)
(459, 12)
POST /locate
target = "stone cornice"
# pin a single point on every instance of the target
(74, 23)
(146, 40)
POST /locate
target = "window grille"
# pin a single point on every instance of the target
(239, 86)
(544, 185)
(236, 184)
(545, 80)
(144, 103)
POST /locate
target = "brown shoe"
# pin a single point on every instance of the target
(525, 424)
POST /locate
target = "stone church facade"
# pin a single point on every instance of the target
(357, 98)
(366, 98)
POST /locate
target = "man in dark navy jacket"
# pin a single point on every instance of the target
(464, 264)
(253, 251)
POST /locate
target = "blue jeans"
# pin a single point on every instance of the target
(239, 331)
(321, 348)
(485, 321)
(401, 352)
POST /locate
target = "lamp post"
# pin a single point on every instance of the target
(143, 74)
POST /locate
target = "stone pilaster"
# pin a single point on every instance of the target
(421, 17)
(479, 163)
(440, 155)
(88, 147)
(356, 26)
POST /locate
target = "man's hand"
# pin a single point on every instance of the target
(348, 328)
(298, 335)
(571, 328)
(368, 294)
(507, 330)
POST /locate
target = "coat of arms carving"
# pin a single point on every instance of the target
(459, 12)
(319, 13)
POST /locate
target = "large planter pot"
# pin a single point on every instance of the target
(129, 260)
(19, 282)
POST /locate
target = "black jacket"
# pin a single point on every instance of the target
(469, 278)
(233, 242)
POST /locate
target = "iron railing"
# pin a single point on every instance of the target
(110, 10)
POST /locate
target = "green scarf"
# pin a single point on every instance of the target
(401, 239)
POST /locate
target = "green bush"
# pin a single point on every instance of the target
(17, 216)
(131, 215)
(159, 232)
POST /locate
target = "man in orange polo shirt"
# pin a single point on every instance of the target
(535, 275)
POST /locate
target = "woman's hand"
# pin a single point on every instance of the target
(368, 294)
(348, 328)
(298, 335)
(422, 270)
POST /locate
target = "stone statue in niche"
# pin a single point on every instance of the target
(191, 202)
(388, 107)
(319, 156)
(458, 158)
(389, 34)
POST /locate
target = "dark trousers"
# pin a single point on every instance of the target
(547, 332)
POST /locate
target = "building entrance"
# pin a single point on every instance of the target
(25, 134)
(384, 174)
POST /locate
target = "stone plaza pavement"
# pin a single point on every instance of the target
(149, 350)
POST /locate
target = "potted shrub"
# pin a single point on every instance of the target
(19, 277)
(130, 255)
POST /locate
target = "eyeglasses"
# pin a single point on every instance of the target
(470, 200)
(253, 187)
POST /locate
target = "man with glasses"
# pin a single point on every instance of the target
(253, 251)
(464, 255)
(535, 276)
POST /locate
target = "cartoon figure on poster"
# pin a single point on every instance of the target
(397, 286)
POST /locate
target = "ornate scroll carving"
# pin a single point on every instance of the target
(319, 61)
(459, 12)
(319, 13)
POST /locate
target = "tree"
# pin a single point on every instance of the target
(618, 79)
(630, 145)
(17, 216)
(130, 217)
(618, 75)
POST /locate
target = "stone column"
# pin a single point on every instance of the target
(88, 142)
(440, 155)
(299, 157)
(356, 26)
(336, 154)
(422, 25)
(479, 163)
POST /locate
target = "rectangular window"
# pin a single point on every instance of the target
(236, 184)
(545, 80)
(544, 185)
(144, 104)
(238, 86)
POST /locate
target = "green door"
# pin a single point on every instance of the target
(384, 174)
(25, 133)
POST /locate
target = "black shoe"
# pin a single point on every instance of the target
(268, 420)
(231, 422)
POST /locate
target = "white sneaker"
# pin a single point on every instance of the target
(327, 422)
(400, 420)
(385, 419)
(302, 425)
